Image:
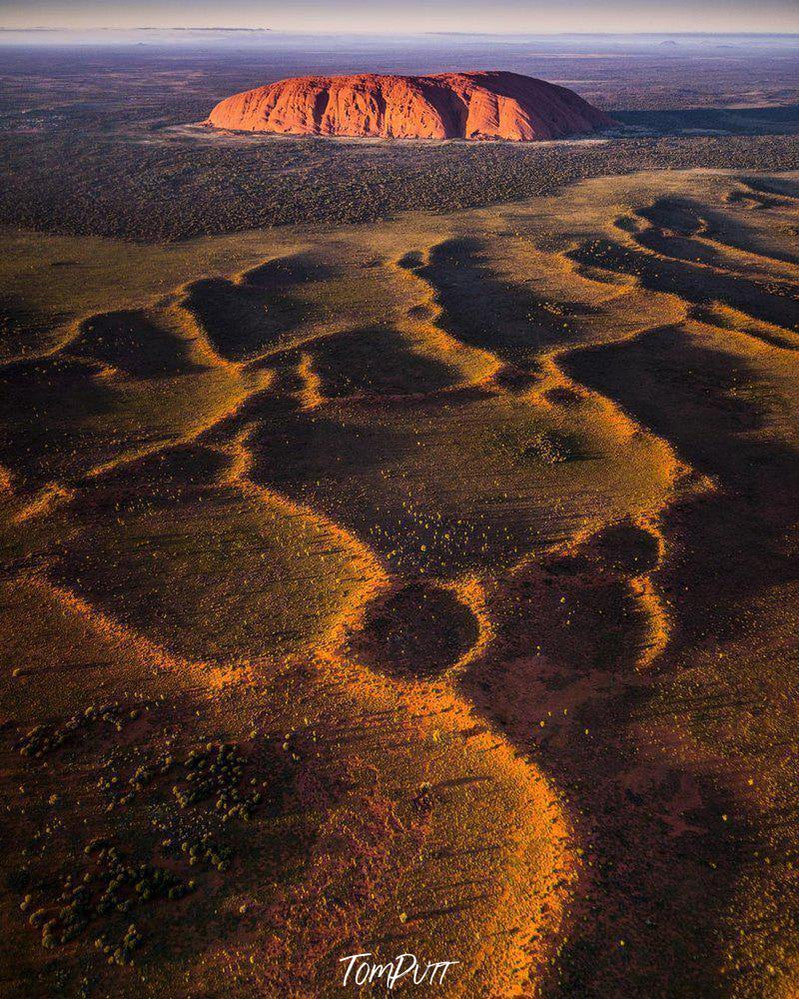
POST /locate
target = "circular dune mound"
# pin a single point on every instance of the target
(485, 105)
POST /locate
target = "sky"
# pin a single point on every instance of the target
(412, 16)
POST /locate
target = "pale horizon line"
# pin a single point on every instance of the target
(412, 34)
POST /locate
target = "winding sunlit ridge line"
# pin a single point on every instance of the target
(766, 194)
(659, 623)
(705, 236)
(552, 374)
(158, 304)
(640, 586)
(366, 561)
(6, 482)
(71, 331)
(44, 501)
(194, 331)
(786, 269)
(681, 474)
(125, 637)
(628, 242)
(534, 943)
(766, 340)
(683, 477)
(433, 328)
(68, 492)
(310, 395)
(242, 280)
(192, 437)
(334, 652)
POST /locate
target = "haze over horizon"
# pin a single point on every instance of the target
(411, 17)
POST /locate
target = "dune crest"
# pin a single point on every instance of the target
(480, 105)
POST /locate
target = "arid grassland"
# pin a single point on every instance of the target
(428, 585)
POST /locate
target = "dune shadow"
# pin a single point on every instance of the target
(288, 271)
(420, 631)
(377, 361)
(244, 317)
(481, 310)
(240, 321)
(45, 411)
(131, 342)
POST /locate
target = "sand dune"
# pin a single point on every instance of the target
(473, 539)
